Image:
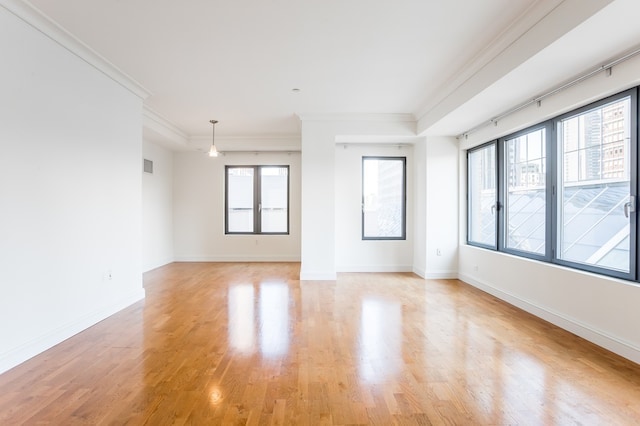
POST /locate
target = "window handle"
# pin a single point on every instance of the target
(494, 208)
(630, 206)
(260, 207)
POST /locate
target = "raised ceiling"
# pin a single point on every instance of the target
(239, 61)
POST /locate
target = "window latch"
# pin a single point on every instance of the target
(630, 206)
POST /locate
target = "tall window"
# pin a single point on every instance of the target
(564, 191)
(595, 186)
(525, 163)
(384, 198)
(482, 195)
(257, 200)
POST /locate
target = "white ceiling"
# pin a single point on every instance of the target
(238, 61)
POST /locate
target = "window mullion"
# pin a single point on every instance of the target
(257, 200)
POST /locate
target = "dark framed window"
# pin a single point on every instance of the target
(596, 187)
(526, 192)
(482, 196)
(257, 199)
(384, 200)
(565, 189)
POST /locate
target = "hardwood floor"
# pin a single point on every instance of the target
(250, 344)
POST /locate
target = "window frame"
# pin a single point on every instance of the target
(257, 199)
(553, 176)
(403, 213)
(503, 193)
(633, 185)
(470, 242)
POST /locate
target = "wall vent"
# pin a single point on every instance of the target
(148, 166)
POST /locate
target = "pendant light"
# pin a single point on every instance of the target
(213, 152)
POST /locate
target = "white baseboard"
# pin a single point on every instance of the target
(22, 353)
(600, 338)
(237, 259)
(158, 264)
(441, 275)
(374, 268)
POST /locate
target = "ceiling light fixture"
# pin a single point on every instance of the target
(213, 152)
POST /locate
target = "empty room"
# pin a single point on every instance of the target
(305, 213)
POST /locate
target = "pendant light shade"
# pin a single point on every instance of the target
(213, 152)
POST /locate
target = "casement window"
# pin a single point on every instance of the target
(526, 194)
(597, 186)
(482, 196)
(257, 200)
(384, 188)
(563, 191)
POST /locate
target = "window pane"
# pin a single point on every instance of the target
(274, 198)
(594, 187)
(482, 195)
(240, 199)
(383, 197)
(525, 215)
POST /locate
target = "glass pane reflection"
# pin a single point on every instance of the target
(380, 340)
(274, 319)
(241, 318)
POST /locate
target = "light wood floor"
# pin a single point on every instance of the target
(250, 344)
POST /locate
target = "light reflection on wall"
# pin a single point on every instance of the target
(380, 340)
(241, 318)
(274, 319)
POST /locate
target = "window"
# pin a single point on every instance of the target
(594, 186)
(482, 196)
(564, 191)
(525, 213)
(257, 200)
(384, 198)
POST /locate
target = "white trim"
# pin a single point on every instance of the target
(154, 121)
(587, 332)
(46, 341)
(518, 29)
(391, 117)
(239, 258)
(39, 21)
(374, 268)
(159, 264)
(441, 275)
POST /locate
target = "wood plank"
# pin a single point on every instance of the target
(242, 343)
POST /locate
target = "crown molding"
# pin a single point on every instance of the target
(39, 21)
(520, 26)
(378, 117)
(249, 143)
(166, 132)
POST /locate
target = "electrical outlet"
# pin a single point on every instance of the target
(475, 268)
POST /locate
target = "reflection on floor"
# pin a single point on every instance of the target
(241, 343)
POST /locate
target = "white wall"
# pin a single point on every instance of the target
(70, 193)
(600, 309)
(352, 253)
(442, 207)
(198, 212)
(318, 259)
(320, 132)
(157, 207)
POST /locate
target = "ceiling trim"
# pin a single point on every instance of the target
(153, 121)
(249, 143)
(391, 117)
(520, 42)
(35, 18)
(521, 25)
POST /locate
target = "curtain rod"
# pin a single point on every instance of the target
(538, 99)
